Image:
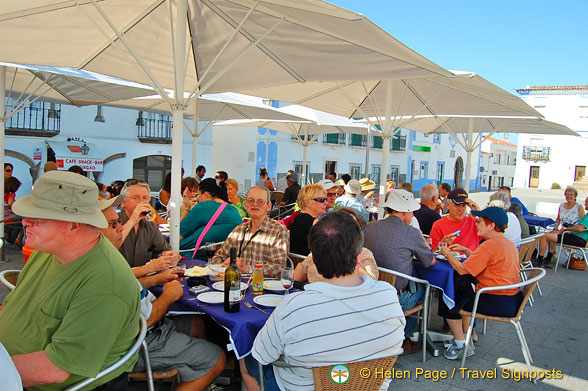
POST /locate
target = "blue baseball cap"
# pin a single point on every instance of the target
(495, 214)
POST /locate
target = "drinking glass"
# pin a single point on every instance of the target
(180, 270)
(209, 251)
(287, 278)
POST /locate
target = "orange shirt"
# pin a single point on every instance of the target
(495, 262)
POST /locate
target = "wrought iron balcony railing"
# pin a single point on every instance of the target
(536, 153)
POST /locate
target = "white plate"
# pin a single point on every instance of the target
(273, 285)
(268, 300)
(211, 297)
(220, 286)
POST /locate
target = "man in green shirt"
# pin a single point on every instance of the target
(75, 308)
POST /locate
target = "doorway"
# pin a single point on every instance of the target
(458, 173)
(580, 173)
(534, 177)
(330, 166)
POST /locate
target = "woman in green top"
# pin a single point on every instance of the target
(236, 200)
(211, 196)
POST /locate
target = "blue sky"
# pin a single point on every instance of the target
(512, 43)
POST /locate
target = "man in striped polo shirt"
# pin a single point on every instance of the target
(348, 318)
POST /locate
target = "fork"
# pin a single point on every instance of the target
(249, 305)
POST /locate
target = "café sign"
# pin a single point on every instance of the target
(87, 164)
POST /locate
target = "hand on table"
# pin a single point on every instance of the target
(448, 239)
(174, 289)
(173, 255)
(168, 275)
(461, 249)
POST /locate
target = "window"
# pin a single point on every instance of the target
(154, 127)
(358, 140)
(377, 142)
(334, 138)
(355, 170)
(298, 167)
(375, 174)
(398, 143)
(394, 171)
(436, 137)
(152, 169)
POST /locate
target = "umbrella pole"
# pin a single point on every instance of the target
(386, 134)
(469, 146)
(195, 138)
(178, 124)
(304, 173)
(367, 154)
(2, 124)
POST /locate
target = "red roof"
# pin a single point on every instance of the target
(498, 141)
(554, 88)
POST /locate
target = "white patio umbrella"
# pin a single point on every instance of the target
(393, 104)
(206, 46)
(463, 128)
(212, 108)
(306, 133)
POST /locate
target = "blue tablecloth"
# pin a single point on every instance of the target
(539, 221)
(440, 275)
(242, 326)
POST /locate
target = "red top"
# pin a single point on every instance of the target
(468, 237)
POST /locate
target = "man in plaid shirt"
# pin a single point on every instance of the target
(258, 240)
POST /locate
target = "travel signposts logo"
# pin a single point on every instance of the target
(339, 373)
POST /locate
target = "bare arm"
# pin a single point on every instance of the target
(36, 368)
(581, 211)
(455, 264)
(172, 291)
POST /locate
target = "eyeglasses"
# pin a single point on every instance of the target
(320, 199)
(251, 201)
(8, 170)
(114, 223)
(329, 195)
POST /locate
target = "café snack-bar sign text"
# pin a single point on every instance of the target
(87, 164)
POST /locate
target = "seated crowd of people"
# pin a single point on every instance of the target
(99, 250)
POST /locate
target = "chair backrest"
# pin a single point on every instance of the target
(8, 278)
(278, 195)
(526, 250)
(296, 258)
(126, 357)
(533, 277)
(355, 382)
(387, 276)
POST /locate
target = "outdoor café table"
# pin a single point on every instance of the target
(539, 221)
(439, 275)
(242, 326)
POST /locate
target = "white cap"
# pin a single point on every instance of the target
(327, 184)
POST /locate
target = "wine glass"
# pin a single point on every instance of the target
(181, 270)
(287, 278)
(209, 251)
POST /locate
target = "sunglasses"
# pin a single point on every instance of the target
(320, 199)
(9, 170)
(114, 223)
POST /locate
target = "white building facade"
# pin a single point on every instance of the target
(546, 160)
(132, 144)
(498, 163)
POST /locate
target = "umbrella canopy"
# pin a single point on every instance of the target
(317, 123)
(68, 85)
(463, 128)
(206, 46)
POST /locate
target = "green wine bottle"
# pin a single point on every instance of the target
(232, 284)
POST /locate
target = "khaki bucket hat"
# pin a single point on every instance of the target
(65, 196)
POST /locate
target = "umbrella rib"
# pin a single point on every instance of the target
(254, 42)
(42, 9)
(365, 97)
(54, 87)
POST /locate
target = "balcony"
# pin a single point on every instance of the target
(536, 153)
(36, 119)
(334, 138)
(155, 130)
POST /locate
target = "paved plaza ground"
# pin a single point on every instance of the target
(554, 328)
